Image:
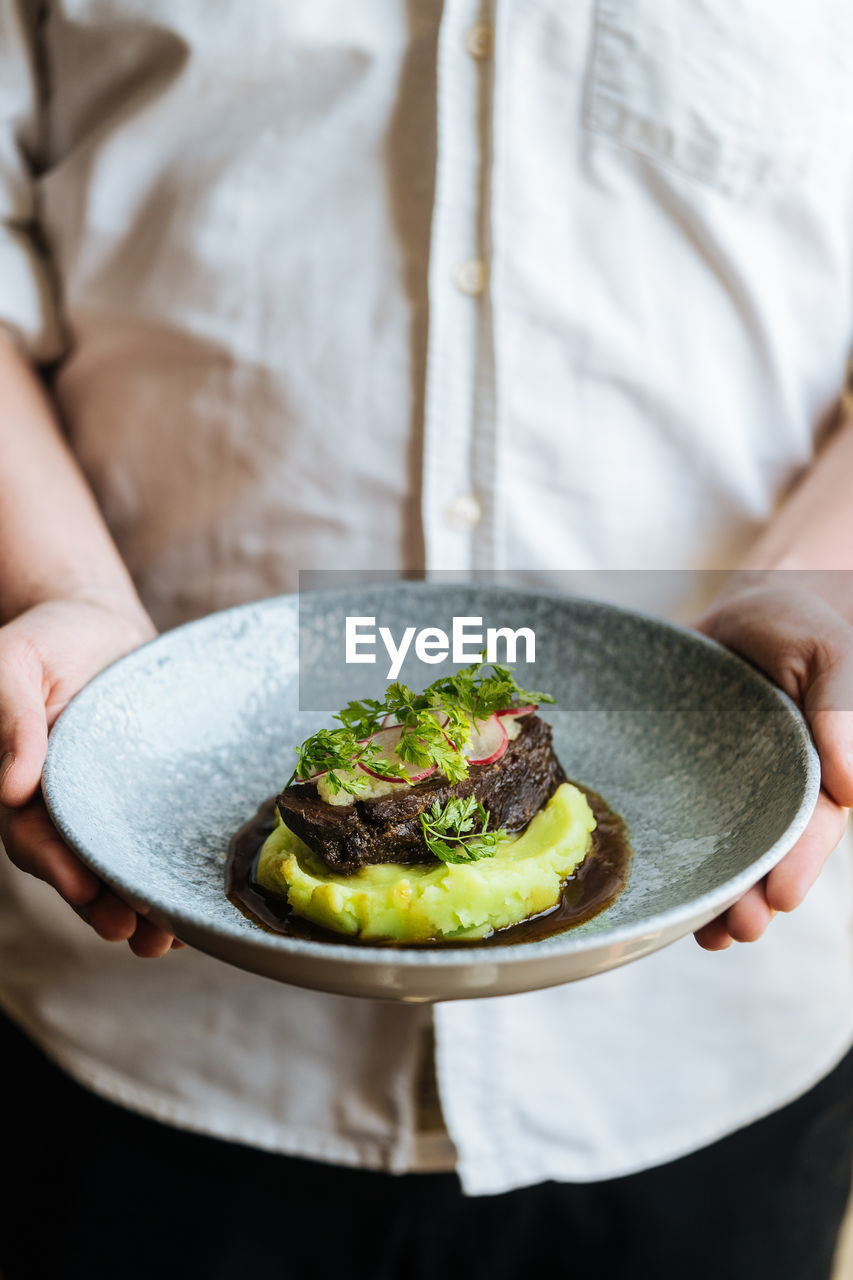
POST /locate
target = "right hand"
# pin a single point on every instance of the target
(46, 655)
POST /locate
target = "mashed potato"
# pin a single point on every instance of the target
(416, 903)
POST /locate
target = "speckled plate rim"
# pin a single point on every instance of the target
(688, 914)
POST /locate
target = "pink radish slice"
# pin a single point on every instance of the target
(386, 739)
(488, 741)
(517, 711)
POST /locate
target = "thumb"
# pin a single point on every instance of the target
(828, 704)
(23, 727)
(803, 644)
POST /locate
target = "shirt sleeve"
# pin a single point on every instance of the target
(29, 304)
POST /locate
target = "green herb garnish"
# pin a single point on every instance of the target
(339, 752)
(450, 832)
(435, 726)
(362, 717)
(480, 695)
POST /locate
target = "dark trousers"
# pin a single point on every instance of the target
(95, 1191)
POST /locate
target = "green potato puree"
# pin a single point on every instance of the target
(418, 903)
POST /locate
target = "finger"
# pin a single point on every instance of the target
(790, 880)
(112, 919)
(23, 724)
(714, 936)
(828, 704)
(747, 919)
(149, 942)
(807, 648)
(832, 726)
(784, 888)
(33, 845)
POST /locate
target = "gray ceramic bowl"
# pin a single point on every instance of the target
(162, 756)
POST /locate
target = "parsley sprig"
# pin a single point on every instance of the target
(480, 695)
(451, 833)
(435, 725)
(338, 752)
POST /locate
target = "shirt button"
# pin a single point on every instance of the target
(463, 512)
(470, 277)
(478, 40)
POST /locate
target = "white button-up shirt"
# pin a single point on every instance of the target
(528, 287)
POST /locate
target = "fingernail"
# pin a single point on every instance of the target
(5, 765)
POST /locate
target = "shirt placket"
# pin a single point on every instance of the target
(457, 499)
(460, 453)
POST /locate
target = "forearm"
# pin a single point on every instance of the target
(811, 536)
(54, 543)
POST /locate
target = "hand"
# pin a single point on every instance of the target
(803, 644)
(46, 655)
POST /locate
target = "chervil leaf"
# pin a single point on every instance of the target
(482, 695)
(435, 725)
(362, 717)
(450, 832)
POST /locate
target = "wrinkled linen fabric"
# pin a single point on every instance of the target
(525, 287)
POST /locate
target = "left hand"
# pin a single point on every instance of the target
(805, 646)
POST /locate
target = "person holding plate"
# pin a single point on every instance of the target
(417, 286)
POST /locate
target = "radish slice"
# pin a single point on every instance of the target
(488, 741)
(386, 739)
(517, 711)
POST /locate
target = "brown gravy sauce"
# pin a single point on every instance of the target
(596, 884)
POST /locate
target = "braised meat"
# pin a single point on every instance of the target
(387, 828)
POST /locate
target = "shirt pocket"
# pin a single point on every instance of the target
(747, 96)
